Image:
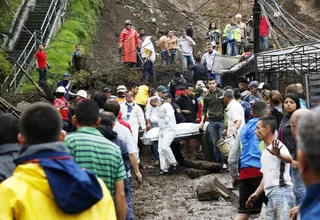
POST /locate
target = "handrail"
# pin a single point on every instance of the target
(18, 60)
(48, 23)
(27, 52)
(45, 19)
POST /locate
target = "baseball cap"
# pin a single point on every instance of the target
(162, 89)
(254, 84)
(228, 93)
(82, 94)
(61, 89)
(121, 88)
(167, 96)
(65, 75)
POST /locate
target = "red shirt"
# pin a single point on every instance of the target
(64, 106)
(42, 59)
(250, 172)
(264, 27)
(122, 122)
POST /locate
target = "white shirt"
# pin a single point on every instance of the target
(186, 45)
(235, 112)
(270, 167)
(166, 112)
(135, 117)
(146, 48)
(149, 107)
(208, 59)
(125, 135)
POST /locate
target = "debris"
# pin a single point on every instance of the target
(207, 192)
(194, 173)
(203, 165)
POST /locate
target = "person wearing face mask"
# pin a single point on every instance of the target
(133, 114)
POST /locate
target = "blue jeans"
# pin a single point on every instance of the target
(215, 76)
(164, 55)
(264, 43)
(148, 70)
(279, 204)
(128, 194)
(299, 188)
(185, 60)
(173, 59)
(215, 130)
(155, 145)
(232, 48)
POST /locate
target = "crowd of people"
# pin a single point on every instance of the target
(138, 50)
(86, 147)
(44, 152)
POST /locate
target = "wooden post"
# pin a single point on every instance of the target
(33, 82)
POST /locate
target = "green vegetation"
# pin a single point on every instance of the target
(7, 14)
(80, 27)
(5, 66)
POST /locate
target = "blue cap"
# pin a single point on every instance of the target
(65, 75)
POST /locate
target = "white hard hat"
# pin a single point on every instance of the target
(121, 88)
(82, 94)
(61, 89)
(261, 85)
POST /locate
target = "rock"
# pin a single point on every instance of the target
(203, 165)
(194, 173)
(207, 192)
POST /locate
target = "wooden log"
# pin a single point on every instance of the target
(223, 194)
(203, 165)
(207, 192)
(194, 173)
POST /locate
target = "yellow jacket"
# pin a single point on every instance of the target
(142, 95)
(27, 196)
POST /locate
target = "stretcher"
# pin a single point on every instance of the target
(185, 131)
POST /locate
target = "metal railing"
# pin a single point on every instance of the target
(36, 37)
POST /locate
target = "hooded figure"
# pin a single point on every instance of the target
(177, 85)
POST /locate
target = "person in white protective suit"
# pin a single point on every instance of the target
(133, 114)
(167, 132)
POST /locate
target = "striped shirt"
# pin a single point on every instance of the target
(125, 135)
(91, 150)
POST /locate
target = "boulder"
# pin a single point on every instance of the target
(194, 173)
(207, 192)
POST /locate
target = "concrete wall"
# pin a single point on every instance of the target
(21, 21)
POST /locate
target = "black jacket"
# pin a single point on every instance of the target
(177, 113)
(199, 72)
(8, 153)
(178, 83)
(188, 103)
(189, 31)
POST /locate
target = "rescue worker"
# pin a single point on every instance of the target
(133, 114)
(167, 133)
(81, 95)
(63, 107)
(143, 96)
(66, 83)
(129, 43)
(233, 38)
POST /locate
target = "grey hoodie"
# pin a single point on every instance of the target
(8, 153)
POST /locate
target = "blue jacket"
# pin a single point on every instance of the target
(310, 208)
(251, 147)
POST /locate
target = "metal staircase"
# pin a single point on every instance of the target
(35, 30)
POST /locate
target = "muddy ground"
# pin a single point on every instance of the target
(174, 196)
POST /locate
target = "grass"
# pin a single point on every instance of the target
(7, 14)
(79, 28)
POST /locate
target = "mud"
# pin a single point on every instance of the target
(174, 196)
